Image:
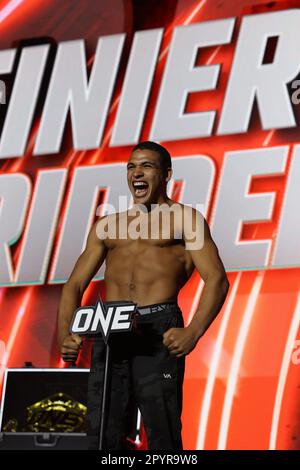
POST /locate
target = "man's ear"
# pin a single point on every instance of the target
(169, 174)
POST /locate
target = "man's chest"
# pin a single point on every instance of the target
(138, 232)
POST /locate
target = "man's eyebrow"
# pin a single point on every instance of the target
(141, 162)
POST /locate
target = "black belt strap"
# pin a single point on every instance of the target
(157, 308)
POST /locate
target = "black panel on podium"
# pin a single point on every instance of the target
(44, 409)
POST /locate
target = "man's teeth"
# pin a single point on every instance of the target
(140, 187)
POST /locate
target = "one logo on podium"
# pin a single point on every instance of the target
(112, 317)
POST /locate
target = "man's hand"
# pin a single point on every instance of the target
(180, 341)
(70, 347)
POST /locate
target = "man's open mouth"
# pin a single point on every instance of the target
(140, 188)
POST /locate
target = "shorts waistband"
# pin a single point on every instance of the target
(154, 308)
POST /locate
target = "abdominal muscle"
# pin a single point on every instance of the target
(145, 275)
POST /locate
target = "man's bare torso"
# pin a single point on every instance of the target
(146, 271)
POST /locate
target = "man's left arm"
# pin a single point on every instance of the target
(181, 341)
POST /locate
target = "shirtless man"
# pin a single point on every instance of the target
(148, 363)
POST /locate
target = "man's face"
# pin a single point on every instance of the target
(146, 179)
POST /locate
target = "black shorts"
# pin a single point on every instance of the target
(143, 372)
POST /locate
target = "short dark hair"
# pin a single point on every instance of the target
(165, 157)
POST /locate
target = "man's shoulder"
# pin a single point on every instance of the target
(111, 216)
(188, 209)
(108, 222)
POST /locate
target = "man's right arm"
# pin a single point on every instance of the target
(84, 270)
